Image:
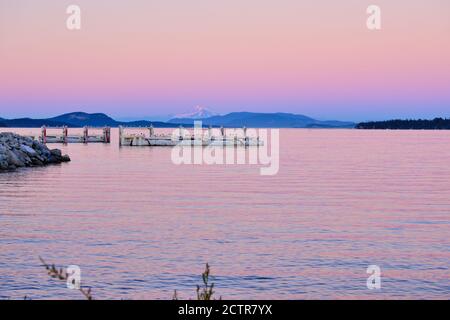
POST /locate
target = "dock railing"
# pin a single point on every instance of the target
(182, 136)
(64, 137)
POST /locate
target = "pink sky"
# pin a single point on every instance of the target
(143, 58)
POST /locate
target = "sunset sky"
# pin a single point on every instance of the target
(141, 58)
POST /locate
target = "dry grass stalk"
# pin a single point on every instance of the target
(62, 275)
(206, 291)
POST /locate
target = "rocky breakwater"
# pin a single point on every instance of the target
(17, 151)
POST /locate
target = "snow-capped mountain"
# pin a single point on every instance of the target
(199, 112)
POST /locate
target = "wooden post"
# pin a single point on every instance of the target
(152, 131)
(44, 134)
(210, 134)
(246, 139)
(106, 134)
(85, 134)
(222, 133)
(65, 134)
(120, 135)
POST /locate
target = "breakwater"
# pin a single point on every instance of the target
(17, 151)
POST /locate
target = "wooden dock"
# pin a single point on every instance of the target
(184, 138)
(101, 135)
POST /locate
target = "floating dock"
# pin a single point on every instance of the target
(103, 135)
(184, 138)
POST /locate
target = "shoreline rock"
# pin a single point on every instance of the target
(17, 152)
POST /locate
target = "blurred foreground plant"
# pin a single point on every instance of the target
(61, 274)
(204, 292)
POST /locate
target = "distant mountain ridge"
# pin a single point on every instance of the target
(234, 119)
(79, 119)
(30, 123)
(85, 119)
(265, 120)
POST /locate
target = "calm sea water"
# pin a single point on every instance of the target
(141, 227)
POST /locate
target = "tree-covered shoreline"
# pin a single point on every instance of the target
(420, 124)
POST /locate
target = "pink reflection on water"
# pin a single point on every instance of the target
(141, 227)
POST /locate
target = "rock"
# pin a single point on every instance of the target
(17, 151)
(13, 159)
(23, 157)
(56, 156)
(37, 162)
(28, 150)
(56, 153)
(4, 165)
(52, 159)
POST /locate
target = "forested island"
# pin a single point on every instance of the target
(435, 124)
